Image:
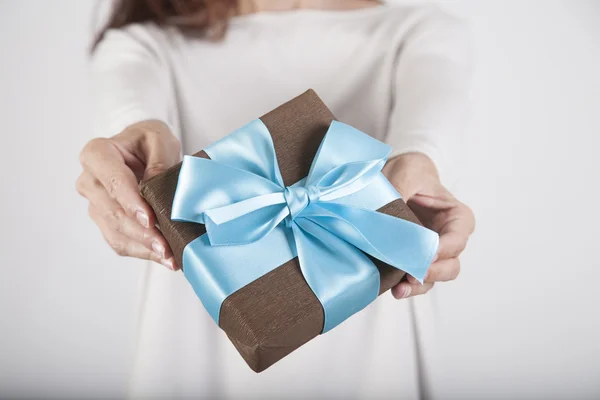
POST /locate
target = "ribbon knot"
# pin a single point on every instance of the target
(254, 222)
(297, 198)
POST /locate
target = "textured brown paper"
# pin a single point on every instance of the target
(274, 315)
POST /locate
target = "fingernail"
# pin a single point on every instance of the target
(168, 263)
(158, 249)
(435, 258)
(411, 279)
(142, 218)
(405, 291)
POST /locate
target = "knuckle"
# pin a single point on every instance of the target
(145, 236)
(151, 135)
(432, 275)
(154, 257)
(461, 244)
(156, 168)
(162, 137)
(114, 184)
(470, 217)
(91, 147)
(455, 269)
(473, 220)
(115, 219)
(174, 143)
(80, 185)
(455, 244)
(118, 247)
(422, 289)
(83, 157)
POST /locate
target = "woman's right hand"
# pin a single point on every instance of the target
(112, 169)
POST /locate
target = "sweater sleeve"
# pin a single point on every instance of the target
(430, 91)
(130, 81)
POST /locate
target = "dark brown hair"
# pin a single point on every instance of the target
(208, 16)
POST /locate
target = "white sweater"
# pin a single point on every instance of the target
(398, 74)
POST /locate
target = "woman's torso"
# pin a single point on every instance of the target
(347, 57)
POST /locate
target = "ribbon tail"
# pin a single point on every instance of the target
(344, 280)
(397, 242)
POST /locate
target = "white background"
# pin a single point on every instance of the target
(523, 319)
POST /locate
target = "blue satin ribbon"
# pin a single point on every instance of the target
(254, 223)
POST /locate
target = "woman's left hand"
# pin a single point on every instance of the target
(415, 177)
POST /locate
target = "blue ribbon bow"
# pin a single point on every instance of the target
(254, 223)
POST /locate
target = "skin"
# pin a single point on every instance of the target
(113, 167)
(415, 177)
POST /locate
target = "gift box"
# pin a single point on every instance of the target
(287, 260)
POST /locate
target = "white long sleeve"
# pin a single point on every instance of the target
(431, 91)
(398, 74)
(131, 82)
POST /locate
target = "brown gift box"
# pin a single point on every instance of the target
(274, 315)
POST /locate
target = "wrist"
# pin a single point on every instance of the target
(410, 173)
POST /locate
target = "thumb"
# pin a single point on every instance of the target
(162, 151)
(411, 173)
(435, 197)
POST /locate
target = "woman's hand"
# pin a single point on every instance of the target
(112, 169)
(415, 177)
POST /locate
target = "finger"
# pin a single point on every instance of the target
(83, 182)
(137, 250)
(412, 279)
(152, 146)
(116, 219)
(406, 289)
(109, 213)
(121, 244)
(126, 247)
(439, 200)
(443, 270)
(162, 151)
(459, 219)
(104, 161)
(451, 245)
(455, 233)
